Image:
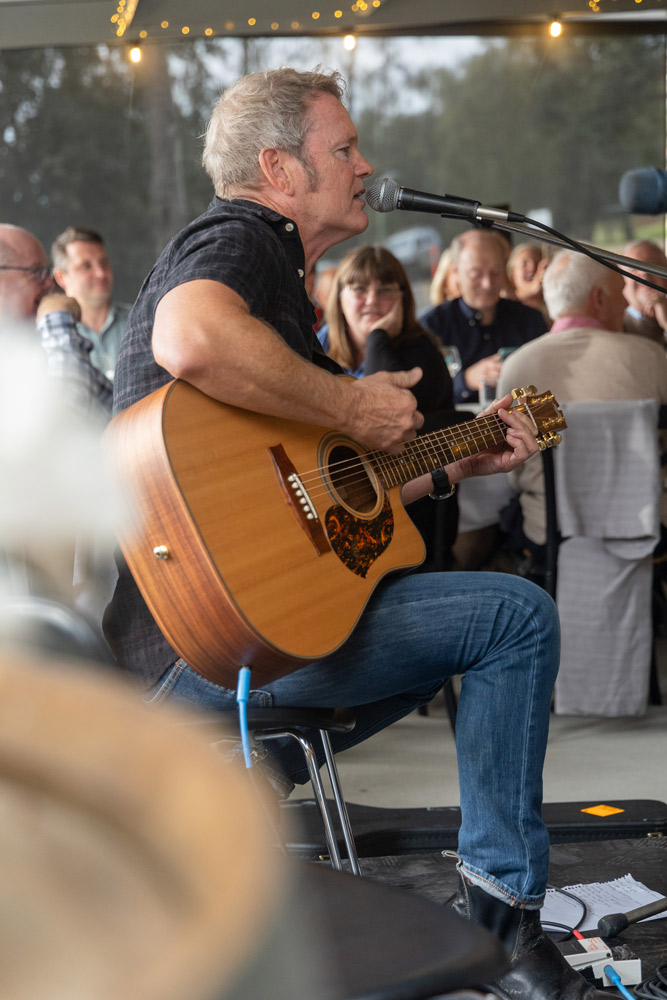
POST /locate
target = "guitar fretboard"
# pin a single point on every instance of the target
(438, 448)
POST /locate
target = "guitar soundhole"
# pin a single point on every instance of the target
(350, 480)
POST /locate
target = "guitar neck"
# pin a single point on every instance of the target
(442, 447)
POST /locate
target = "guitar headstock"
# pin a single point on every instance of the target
(544, 411)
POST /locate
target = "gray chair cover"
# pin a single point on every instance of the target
(608, 499)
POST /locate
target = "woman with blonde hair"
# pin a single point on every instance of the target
(444, 285)
(525, 269)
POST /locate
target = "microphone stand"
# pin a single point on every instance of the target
(537, 234)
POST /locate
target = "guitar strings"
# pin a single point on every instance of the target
(468, 437)
(430, 446)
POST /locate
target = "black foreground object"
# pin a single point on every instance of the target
(387, 944)
(434, 876)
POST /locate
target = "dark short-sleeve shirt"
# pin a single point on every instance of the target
(259, 255)
(455, 322)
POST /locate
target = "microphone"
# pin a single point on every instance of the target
(644, 191)
(614, 923)
(384, 195)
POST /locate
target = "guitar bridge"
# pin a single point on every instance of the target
(298, 499)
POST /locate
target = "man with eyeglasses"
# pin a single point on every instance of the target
(25, 275)
(27, 293)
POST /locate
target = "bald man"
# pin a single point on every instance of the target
(25, 275)
(27, 293)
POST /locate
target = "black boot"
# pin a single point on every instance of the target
(537, 970)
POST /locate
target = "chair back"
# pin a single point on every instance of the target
(607, 491)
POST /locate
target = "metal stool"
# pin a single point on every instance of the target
(275, 723)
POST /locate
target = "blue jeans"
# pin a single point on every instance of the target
(501, 633)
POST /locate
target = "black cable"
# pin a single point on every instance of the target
(580, 921)
(654, 988)
(576, 245)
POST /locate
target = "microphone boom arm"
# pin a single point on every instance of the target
(615, 258)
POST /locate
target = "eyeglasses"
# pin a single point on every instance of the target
(382, 291)
(39, 273)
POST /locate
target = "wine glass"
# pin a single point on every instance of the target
(452, 358)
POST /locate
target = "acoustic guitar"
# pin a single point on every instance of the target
(258, 541)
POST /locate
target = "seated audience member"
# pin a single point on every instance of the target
(28, 294)
(25, 275)
(584, 358)
(81, 267)
(372, 327)
(525, 269)
(480, 322)
(322, 282)
(646, 312)
(444, 285)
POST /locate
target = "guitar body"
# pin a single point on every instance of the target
(231, 565)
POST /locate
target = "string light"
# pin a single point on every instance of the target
(135, 54)
(555, 28)
(123, 16)
(125, 10)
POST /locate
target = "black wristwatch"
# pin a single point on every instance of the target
(442, 488)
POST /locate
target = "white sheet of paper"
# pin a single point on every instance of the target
(602, 898)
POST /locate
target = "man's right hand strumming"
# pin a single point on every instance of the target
(383, 412)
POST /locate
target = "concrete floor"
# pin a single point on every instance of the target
(413, 762)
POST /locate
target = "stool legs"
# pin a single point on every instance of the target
(340, 803)
(320, 797)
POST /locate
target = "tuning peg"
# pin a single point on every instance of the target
(529, 390)
(542, 445)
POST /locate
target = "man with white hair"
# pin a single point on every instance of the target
(480, 322)
(646, 312)
(584, 358)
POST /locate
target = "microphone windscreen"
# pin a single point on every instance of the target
(644, 191)
(382, 194)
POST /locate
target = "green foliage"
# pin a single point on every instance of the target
(533, 124)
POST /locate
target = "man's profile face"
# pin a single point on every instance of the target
(333, 196)
(480, 271)
(88, 277)
(22, 290)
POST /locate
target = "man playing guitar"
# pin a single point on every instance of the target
(225, 310)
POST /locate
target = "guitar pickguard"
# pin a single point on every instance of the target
(359, 541)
